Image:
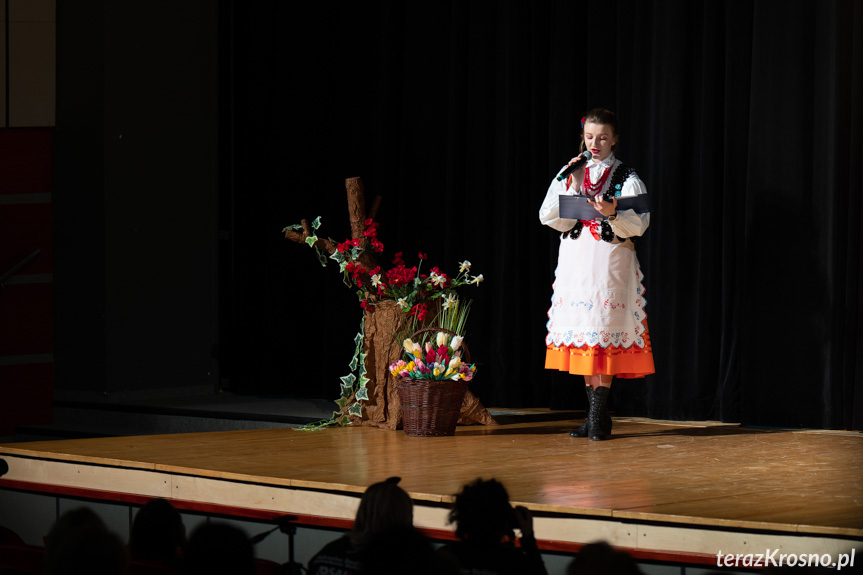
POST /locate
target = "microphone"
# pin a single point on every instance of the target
(585, 156)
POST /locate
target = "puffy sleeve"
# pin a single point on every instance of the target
(549, 212)
(629, 223)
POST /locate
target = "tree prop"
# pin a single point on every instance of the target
(370, 381)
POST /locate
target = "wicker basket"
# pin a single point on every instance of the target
(430, 407)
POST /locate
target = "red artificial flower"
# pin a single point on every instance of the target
(371, 229)
(420, 310)
(398, 259)
(368, 222)
(364, 304)
(422, 256)
(400, 275)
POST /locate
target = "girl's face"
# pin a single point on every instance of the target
(598, 140)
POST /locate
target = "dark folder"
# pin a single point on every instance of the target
(577, 208)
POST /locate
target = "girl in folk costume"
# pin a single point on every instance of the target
(597, 327)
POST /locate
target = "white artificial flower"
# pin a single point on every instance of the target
(464, 266)
(376, 280)
(441, 339)
(450, 300)
(437, 279)
(477, 279)
(456, 342)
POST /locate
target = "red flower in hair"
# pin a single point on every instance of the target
(583, 118)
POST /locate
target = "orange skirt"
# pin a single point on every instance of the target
(591, 360)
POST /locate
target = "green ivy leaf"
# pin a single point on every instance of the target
(344, 420)
(293, 227)
(356, 409)
(348, 379)
(362, 394)
(311, 240)
(321, 257)
(341, 402)
(363, 381)
(317, 223)
(353, 363)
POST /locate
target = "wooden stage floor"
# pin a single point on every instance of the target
(687, 488)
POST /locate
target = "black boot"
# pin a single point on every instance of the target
(598, 420)
(584, 429)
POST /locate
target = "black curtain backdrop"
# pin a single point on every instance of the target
(742, 117)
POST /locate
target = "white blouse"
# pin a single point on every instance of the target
(628, 223)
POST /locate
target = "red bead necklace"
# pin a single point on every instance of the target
(590, 186)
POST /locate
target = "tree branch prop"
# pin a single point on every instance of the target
(358, 217)
(353, 387)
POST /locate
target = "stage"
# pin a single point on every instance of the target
(669, 491)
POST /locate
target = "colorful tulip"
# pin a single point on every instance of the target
(456, 342)
(408, 345)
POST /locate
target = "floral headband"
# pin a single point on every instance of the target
(583, 118)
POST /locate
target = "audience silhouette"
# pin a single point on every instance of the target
(383, 541)
(602, 559)
(383, 506)
(158, 535)
(485, 526)
(79, 543)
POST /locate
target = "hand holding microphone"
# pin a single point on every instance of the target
(579, 162)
